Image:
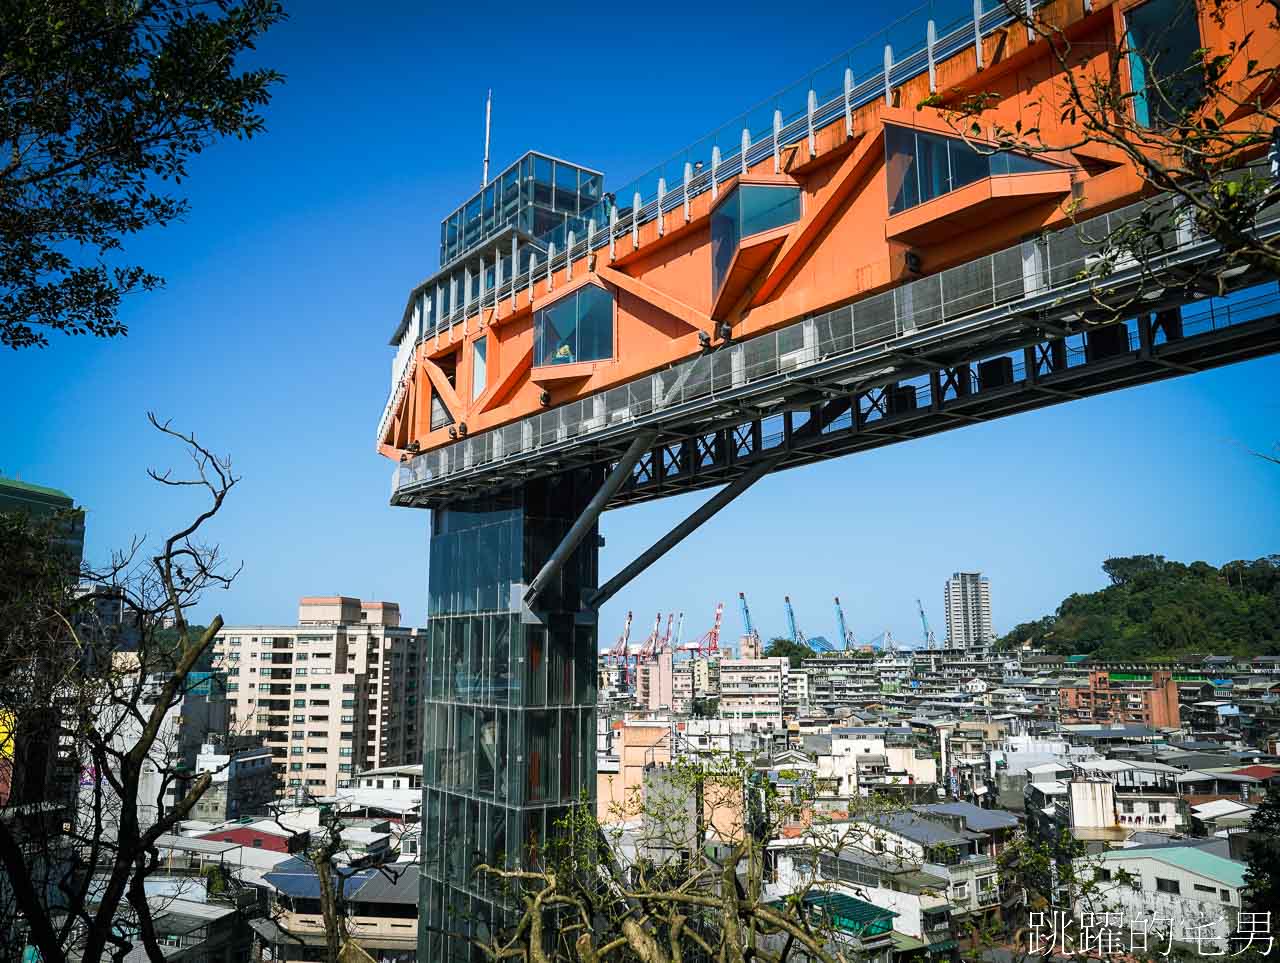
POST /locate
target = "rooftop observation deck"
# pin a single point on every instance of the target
(747, 378)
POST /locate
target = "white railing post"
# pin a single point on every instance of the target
(613, 230)
(688, 176)
(977, 32)
(715, 172)
(635, 220)
(848, 101)
(811, 109)
(533, 264)
(746, 146)
(662, 192)
(777, 142)
(551, 256)
(931, 41)
(568, 256)
(888, 67)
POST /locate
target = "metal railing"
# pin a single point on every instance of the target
(1057, 271)
(910, 47)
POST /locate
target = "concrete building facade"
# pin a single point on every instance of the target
(324, 693)
(968, 606)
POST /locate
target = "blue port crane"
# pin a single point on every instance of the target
(817, 643)
(845, 635)
(748, 629)
(929, 641)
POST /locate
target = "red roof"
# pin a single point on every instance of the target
(1258, 772)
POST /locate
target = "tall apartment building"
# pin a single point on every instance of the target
(968, 604)
(332, 695)
(654, 682)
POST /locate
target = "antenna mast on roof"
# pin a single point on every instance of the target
(488, 108)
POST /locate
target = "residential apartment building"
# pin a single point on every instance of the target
(755, 690)
(654, 682)
(331, 696)
(968, 605)
(1120, 697)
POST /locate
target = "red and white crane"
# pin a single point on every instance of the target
(708, 644)
(619, 655)
(650, 646)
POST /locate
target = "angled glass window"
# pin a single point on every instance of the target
(478, 368)
(578, 327)
(1162, 37)
(922, 166)
(748, 209)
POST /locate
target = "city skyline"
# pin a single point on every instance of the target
(251, 297)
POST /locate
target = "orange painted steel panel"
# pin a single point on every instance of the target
(845, 246)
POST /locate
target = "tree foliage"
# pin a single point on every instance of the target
(782, 648)
(1262, 878)
(102, 106)
(1159, 609)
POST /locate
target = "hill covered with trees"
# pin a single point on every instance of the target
(1158, 609)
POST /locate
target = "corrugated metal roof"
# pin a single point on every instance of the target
(1194, 860)
(401, 886)
(297, 878)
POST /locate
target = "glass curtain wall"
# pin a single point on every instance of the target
(578, 327)
(509, 708)
(747, 210)
(1162, 37)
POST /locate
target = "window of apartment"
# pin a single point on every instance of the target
(348, 718)
(236, 641)
(1127, 806)
(348, 703)
(960, 891)
(577, 327)
(1102, 874)
(1161, 39)
(300, 656)
(313, 734)
(320, 685)
(344, 751)
(1224, 895)
(300, 670)
(253, 655)
(1167, 885)
(298, 719)
(315, 765)
(298, 734)
(295, 751)
(292, 782)
(1201, 888)
(233, 687)
(315, 782)
(299, 703)
(300, 687)
(295, 767)
(320, 702)
(348, 687)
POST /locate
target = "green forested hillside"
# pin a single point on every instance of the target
(1158, 609)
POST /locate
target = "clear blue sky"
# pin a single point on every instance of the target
(290, 273)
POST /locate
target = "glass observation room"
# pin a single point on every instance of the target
(922, 166)
(535, 195)
(747, 210)
(577, 327)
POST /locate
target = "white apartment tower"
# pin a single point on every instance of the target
(968, 604)
(333, 695)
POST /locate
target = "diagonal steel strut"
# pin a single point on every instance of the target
(589, 515)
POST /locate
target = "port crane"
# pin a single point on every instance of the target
(749, 629)
(817, 643)
(708, 644)
(930, 642)
(619, 655)
(845, 636)
(649, 648)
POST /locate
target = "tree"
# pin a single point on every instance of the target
(1262, 878)
(1187, 101)
(75, 856)
(102, 104)
(782, 648)
(691, 882)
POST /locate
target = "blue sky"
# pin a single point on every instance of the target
(288, 276)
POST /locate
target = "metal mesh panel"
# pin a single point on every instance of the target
(699, 381)
(835, 331)
(967, 288)
(723, 364)
(873, 320)
(761, 357)
(1006, 270)
(918, 304)
(617, 403)
(1068, 249)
